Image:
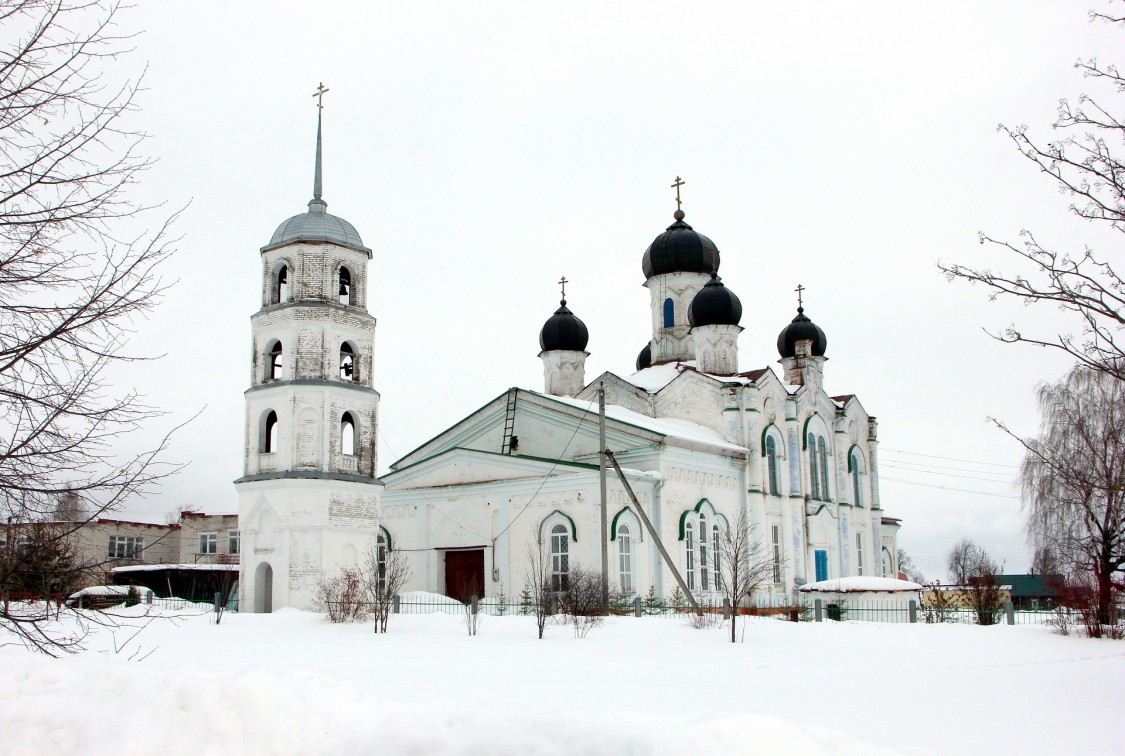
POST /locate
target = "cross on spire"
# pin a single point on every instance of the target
(563, 282)
(799, 290)
(319, 95)
(679, 182)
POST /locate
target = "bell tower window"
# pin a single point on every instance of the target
(347, 362)
(347, 434)
(268, 442)
(276, 365)
(345, 286)
(281, 287)
(669, 313)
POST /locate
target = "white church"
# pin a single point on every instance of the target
(699, 440)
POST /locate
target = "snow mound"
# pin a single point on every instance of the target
(861, 583)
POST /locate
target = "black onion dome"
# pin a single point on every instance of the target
(644, 359)
(680, 249)
(800, 329)
(715, 304)
(563, 332)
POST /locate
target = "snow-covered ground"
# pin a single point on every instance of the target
(292, 683)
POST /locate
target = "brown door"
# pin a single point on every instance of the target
(464, 574)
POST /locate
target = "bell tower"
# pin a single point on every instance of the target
(309, 495)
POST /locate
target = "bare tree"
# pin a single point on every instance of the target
(744, 564)
(537, 583)
(385, 575)
(1073, 480)
(962, 560)
(581, 599)
(1044, 562)
(906, 565)
(343, 596)
(76, 269)
(1086, 164)
(984, 591)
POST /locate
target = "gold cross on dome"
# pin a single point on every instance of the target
(799, 289)
(563, 282)
(319, 95)
(679, 182)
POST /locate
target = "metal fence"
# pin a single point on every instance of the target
(818, 611)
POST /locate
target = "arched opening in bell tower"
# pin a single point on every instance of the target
(345, 286)
(347, 362)
(669, 313)
(263, 588)
(348, 435)
(267, 442)
(276, 366)
(281, 285)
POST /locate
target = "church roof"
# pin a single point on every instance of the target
(317, 225)
(680, 249)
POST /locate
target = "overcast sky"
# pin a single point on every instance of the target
(483, 150)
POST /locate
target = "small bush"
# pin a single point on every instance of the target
(341, 597)
(132, 597)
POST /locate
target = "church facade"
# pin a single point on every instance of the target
(703, 446)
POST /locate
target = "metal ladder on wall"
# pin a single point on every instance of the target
(509, 421)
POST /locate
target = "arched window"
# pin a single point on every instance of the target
(381, 561)
(347, 434)
(347, 362)
(281, 286)
(689, 549)
(704, 583)
(560, 558)
(771, 464)
(716, 547)
(669, 313)
(859, 553)
(857, 491)
(268, 441)
(345, 286)
(624, 558)
(824, 489)
(888, 563)
(814, 474)
(276, 365)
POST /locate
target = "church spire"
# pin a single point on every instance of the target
(317, 181)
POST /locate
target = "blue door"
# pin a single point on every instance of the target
(821, 564)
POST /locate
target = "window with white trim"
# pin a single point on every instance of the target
(704, 583)
(771, 465)
(208, 543)
(381, 561)
(624, 558)
(715, 548)
(822, 448)
(814, 475)
(857, 492)
(775, 537)
(859, 553)
(560, 558)
(689, 549)
(125, 547)
(234, 542)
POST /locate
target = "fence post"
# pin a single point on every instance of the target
(554, 604)
(1010, 611)
(218, 598)
(818, 610)
(637, 606)
(148, 597)
(473, 603)
(726, 608)
(913, 611)
(396, 603)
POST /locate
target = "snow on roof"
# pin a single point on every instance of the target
(861, 583)
(652, 379)
(666, 426)
(109, 590)
(151, 567)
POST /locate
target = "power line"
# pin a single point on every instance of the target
(928, 466)
(944, 474)
(947, 488)
(950, 459)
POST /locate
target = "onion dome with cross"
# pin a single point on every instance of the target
(680, 248)
(801, 328)
(563, 331)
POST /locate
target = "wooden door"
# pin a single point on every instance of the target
(464, 574)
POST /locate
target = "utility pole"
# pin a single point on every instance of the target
(601, 496)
